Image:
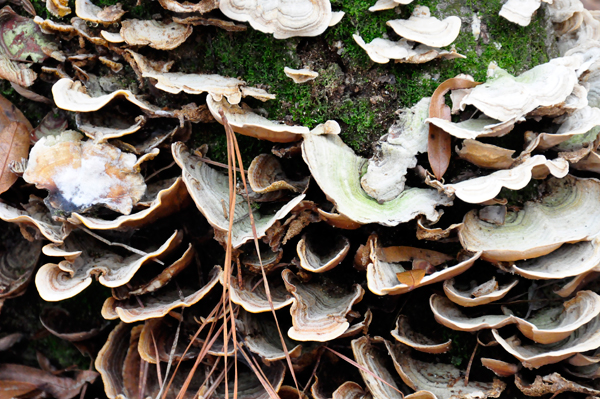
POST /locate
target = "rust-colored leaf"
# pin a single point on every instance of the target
(409, 254)
(12, 389)
(412, 278)
(20, 378)
(439, 147)
(14, 145)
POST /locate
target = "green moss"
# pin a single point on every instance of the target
(461, 349)
(348, 83)
(33, 111)
(61, 351)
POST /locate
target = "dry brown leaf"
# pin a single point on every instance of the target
(408, 254)
(14, 145)
(18, 377)
(412, 278)
(439, 147)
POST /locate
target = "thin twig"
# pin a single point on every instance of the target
(118, 244)
(470, 364)
(222, 165)
(172, 354)
(160, 170)
(231, 137)
(158, 372)
(313, 372)
(352, 362)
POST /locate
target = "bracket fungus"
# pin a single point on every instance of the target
(403, 51)
(374, 370)
(383, 277)
(533, 356)
(549, 326)
(318, 311)
(566, 214)
(88, 11)
(253, 297)
(381, 5)
(166, 197)
(316, 262)
(155, 34)
(210, 190)
(442, 381)
(153, 305)
(567, 261)
(265, 175)
(72, 275)
(261, 285)
(504, 97)
(520, 12)
(35, 215)
(79, 175)
(284, 19)
(481, 294)
(217, 86)
(300, 75)
(421, 27)
(482, 189)
(336, 169)
(404, 334)
(248, 123)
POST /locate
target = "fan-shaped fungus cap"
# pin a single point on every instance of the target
(253, 297)
(404, 333)
(210, 190)
(319, 310)
(533, 356)
(261, 337)
(155, 34)
(58, 8)
(300, 75)
(69, 277)
(443, 381)
(266, 175)
(387, 4)
(319, 263)
(505, 97)
(79, 174)
(248, 123)
(567, 261)
(421, 27)
(373, 363)
(402, 51)
(519, 11)
(176, 82)
(336, 170)
(382, 276)
(283, 19)
(482, 294)
(481, 189)
(500, 368)
(153, 305)
(566, 214)
(88, 11)
(35, 215)
(167, 197)
(18, 260)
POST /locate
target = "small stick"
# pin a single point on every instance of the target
(470, 364)
(222, 165)
(118, 244)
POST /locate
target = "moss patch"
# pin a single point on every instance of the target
(361, 95)
(351, 89)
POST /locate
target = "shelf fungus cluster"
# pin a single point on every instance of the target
(312, 271)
